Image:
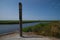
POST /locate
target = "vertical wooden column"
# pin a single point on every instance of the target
(20, 18)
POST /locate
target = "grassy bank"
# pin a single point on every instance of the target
(24, 21)
(16, 21)
(51, 29)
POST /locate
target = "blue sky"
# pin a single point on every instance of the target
(32, 9)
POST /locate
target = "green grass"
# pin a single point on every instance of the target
(51, 29)
(16, 21)
(24, 21)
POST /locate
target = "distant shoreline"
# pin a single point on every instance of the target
(27, 21)
(14, 22)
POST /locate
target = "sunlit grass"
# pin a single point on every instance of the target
(51, 29)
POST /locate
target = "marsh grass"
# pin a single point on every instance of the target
(16, 21)
(51, 29)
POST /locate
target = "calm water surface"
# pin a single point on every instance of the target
(6, 28)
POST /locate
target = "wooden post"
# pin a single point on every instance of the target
(20, 18)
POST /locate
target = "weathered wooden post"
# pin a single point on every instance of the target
(20, 18)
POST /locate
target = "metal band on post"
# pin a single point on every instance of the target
(20, 18)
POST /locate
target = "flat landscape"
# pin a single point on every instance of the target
(24, 21)
(44, 30)
(16, 21)
(50, 29)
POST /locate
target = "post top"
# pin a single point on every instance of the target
(20, 3)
